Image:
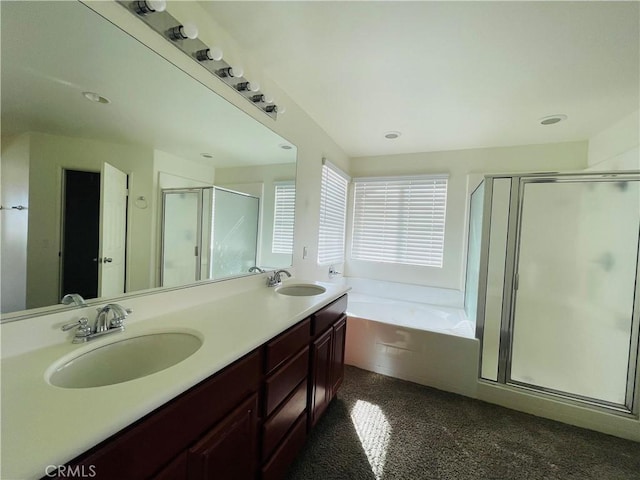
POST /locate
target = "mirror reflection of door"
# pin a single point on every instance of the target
(113, 231)
(80, 233)
(94, 217)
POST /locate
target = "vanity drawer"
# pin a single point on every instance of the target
(276, 468)
(326, 317)
(280, 422)
(281, 383)
(283, 347)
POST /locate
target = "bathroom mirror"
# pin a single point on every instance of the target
(96, 129)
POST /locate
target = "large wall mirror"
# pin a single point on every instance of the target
(121, 173)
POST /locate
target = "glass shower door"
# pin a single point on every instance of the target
(181, 227)
(572, 324)
(234, 237)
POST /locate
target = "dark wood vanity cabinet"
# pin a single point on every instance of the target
(228, 450)
(327, 357)
(247, 421)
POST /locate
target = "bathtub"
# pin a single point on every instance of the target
(392, 331)
(420, 316)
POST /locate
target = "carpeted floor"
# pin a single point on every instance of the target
(410, 432)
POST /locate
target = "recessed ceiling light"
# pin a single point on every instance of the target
(552, 119)
(206, 155)
(94, 97)
(392, 135)
(284, 146)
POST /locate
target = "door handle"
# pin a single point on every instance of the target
(107, 259)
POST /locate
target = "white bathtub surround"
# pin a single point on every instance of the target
(412, 332)
(446, 362)
(406, 291)
(47, 425)
(419, 316)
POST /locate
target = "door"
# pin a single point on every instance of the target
(80, 233)
(113, 231)
(573, 330)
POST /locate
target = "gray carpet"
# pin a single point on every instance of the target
(430, 434)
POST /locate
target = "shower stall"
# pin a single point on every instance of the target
(207, 233)
(552, 281)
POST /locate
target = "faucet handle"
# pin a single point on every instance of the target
(83, 322)
(83, 333)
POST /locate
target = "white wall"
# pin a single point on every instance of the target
(458, 164)
(15, 192)
(618, 146)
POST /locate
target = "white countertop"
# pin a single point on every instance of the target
(47, 425)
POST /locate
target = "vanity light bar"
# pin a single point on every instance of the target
(184, 37)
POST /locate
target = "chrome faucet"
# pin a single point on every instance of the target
(119, 314)
(102, 325)
(74, 298)
(275, 279)
(333, 272)
(256, 269)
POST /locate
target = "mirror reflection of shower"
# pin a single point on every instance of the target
(207, 233)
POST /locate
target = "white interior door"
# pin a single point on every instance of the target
(113, 231)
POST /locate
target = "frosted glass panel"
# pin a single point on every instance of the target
(473, 253)
(180, 238)
(235, 233)
(576, 267)
(499, 218)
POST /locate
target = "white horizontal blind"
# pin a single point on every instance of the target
(400, 220)
(333, 214)
(283, 218)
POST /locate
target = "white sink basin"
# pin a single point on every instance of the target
(301, 290)
(125, 360)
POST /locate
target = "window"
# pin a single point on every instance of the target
(283, 218)
(333, 213)
(400, 220)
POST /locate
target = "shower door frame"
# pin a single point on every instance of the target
(516, 201)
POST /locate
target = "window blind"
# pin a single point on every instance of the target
(283, 218)
(400, 220)
(333, 213)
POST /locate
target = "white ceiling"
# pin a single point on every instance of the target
(448, 75)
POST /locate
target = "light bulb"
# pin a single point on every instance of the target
(189, 30)
(209, 54)
(157, 5)
(266, 98)
(236, 72)
(281, 109)
(253, 86)
(143, 7)
(215, 53)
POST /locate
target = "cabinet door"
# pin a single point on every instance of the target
(337, 354)
(229, 450)
(321, 371)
